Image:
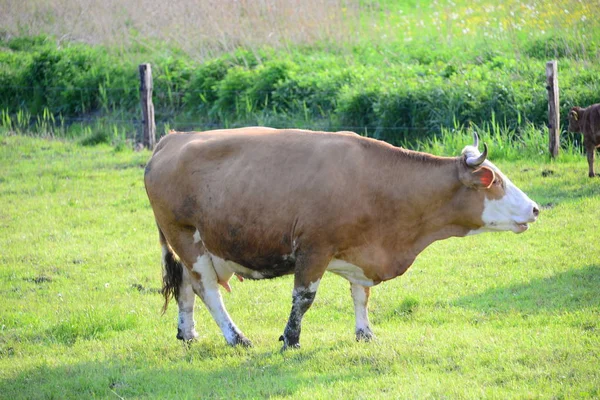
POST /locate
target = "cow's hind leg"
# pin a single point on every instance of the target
(360, 297)
(309, 270)
(202, 279)
(206, 286)
(185, 321)
(177, 284)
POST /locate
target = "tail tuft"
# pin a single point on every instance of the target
(172, 274)
(172, 278)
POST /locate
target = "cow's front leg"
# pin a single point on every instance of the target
(306, 282)
(206, 287)
(590, 150)
(360, 297)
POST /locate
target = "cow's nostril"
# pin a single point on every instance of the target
(536, 211)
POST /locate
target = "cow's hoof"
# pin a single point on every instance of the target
(186, 338)
(242, 341)
(287, 344)
(286, 347)
(364, 335)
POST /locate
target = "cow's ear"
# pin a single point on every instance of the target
(483, 177)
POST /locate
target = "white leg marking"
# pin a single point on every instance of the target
(185, 302)
(359, 296)
(311, 288)
(165, 250)
(209, 293)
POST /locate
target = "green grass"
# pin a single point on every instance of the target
(490, 316)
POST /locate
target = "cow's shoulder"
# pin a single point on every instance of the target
(594, 116)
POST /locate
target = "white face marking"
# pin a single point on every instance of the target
(512, 212)
(197, 237)
(349, 271)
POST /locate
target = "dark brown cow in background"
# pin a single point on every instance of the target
(587, 121)
(261, 203)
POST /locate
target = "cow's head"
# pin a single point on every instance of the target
(574, 119)
(489, 198)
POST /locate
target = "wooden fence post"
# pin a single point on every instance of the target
(149, 126)
(553, 107)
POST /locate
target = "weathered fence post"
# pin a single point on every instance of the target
(553, 107)
(149, 127)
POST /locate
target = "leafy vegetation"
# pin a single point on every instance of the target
(409, 70)
(489, 316)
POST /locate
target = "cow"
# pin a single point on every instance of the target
(587, 121)
(260, 203)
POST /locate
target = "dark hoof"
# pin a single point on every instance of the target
(184, 339)
(287, 344)
(363, 335)
(242, 341)
(290, 346)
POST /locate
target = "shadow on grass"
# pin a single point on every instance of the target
(263, 375)
(568, 291)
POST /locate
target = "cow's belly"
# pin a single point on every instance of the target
(351, 272)
(225, 270)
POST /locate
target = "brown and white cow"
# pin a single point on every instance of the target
(262, 203)
(587, 121)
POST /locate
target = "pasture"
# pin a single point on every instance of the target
(489, 316)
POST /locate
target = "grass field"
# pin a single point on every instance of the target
(490, 316)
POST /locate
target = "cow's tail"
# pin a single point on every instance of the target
(172, 272)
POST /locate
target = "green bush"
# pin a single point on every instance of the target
(356, 108)
(268, 77)
(203, 87)
(402, 93)
(232, 93)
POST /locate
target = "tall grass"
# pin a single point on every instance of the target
(201, 28)
(95, 131)
(503, 143)
(206, 28)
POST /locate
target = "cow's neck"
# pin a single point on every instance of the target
(423, 199)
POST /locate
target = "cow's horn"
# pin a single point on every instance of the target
(477, 161)
(475, 139)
